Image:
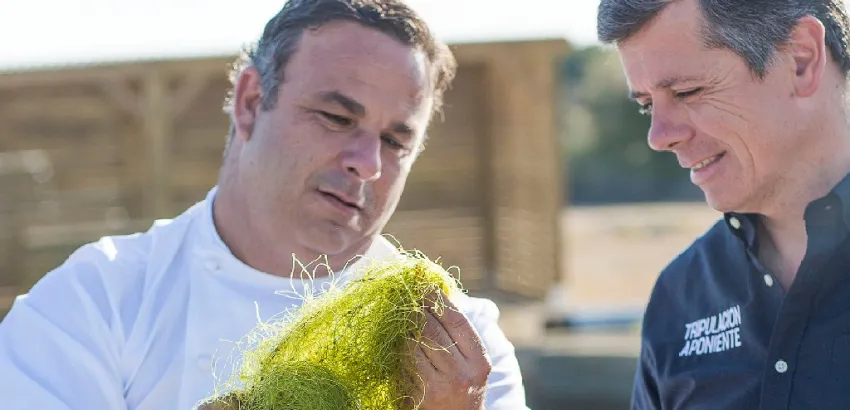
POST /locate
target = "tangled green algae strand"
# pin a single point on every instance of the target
(347, 349)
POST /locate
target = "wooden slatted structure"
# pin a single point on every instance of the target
(128, 143)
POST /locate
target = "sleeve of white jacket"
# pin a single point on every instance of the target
(57, 345)
(505, 390)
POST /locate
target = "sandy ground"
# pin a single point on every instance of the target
(613, 254)
(612, 257)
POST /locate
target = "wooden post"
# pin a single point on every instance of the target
(524, 160)
(155, 124)
(156, 109)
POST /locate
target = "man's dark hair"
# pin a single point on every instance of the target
(283, 32)
(753, 29)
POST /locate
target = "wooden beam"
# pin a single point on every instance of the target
(212, 66)
(527, 199)
(156, 128)
(155, 110)
(489, 52)
(190, 88)
(122, 96)
(218, 64)
(42, 236)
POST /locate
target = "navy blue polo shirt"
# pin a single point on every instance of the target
(719, 332)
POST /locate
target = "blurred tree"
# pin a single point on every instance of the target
(608, 160)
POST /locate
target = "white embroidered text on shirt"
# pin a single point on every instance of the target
(713, 334)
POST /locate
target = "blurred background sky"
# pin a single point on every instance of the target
(97, 30)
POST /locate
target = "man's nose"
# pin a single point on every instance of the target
(667, 130)
(362, 156)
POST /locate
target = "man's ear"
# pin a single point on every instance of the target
(807, 49)
(247, 102)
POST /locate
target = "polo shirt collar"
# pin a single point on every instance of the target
(830, 209)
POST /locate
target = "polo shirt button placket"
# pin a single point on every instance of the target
(735, 222)
(768, 280)
(781, 366)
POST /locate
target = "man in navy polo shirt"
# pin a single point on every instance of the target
(752, 97)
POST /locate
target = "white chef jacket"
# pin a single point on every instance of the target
(149, 321)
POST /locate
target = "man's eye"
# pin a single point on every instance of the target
(392, 142)
(337, 119)
(686, 94)
(645, 109)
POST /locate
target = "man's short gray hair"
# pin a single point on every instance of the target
(753, 29)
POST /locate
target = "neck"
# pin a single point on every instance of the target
(782, 246)
(263, 247)
(782, 232)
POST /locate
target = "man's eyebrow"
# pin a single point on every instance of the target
(359, 110)
(350, 104)
(665, 83)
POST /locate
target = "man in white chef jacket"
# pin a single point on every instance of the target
(328, 112)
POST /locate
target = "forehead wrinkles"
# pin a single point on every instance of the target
(664, 68)
(396, 70)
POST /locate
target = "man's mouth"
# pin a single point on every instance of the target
(706, 162)
(341, 200)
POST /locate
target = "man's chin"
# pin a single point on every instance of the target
(722, 202)
(334, 242)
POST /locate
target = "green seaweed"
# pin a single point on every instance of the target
(348, 349)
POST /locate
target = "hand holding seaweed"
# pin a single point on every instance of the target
(451, 359)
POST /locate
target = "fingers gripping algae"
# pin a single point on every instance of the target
(347, 349)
